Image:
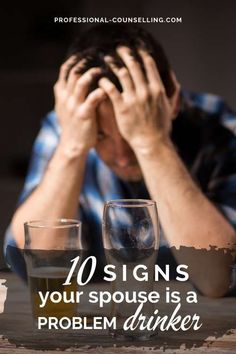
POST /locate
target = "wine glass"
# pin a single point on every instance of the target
(131, 241)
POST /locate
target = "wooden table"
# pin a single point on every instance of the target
(217, 336)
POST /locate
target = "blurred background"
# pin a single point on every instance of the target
(201, 50)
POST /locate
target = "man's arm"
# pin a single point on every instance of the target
(56, 196)
(144, 115)
(58, 193)
(189, 219)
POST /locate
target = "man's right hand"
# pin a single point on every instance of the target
(76, 109)
(57, 194)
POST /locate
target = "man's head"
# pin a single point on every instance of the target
(93, 46)
(103, 40)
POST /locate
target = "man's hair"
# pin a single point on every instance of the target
(102, 40)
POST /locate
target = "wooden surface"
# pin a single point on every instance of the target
(218, 317)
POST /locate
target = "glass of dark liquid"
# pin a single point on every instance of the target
(131, 241)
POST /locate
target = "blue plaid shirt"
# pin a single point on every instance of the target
(205, 137)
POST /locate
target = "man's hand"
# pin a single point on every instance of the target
(75, 109)
(58, 192)
(143, 110)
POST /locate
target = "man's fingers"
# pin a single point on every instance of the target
(65, 67)
(83, 83)
(111, 91)
(122, 74)
(95, 97)
(152, 72)
(133, 67)
(74, 75)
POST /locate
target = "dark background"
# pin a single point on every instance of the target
(202, 51)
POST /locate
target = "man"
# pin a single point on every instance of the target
(122, 128)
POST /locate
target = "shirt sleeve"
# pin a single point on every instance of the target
(43, 149)
(222, 185)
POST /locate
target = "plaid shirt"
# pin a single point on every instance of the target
(204, 134)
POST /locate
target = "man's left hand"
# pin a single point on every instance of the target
(143, 111)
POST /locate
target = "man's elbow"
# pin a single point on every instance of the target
(215, 288)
